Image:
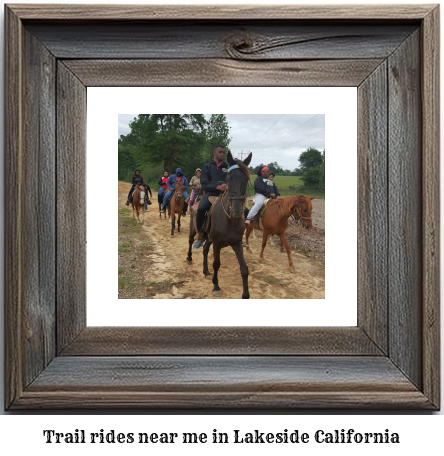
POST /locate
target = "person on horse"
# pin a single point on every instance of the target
(263, 189)
(171, 184)
(163, 186)
(137, 179)
(272, 176)
(195, 185)
(213, 180)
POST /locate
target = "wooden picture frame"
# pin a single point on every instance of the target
(390, 360)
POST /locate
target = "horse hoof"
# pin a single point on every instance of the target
(209, 276)
(292, 269)
(190, 261)
(282, 250)
(172, 236)
(249, 251)
(217, 293)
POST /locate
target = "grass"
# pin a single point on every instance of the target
(124, 247)
(270, 280)
(288, 186)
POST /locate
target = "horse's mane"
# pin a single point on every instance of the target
(243, 167)
(286, 204)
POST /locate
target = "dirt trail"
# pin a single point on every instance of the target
(160, 263)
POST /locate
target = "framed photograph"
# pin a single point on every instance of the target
(389, 359)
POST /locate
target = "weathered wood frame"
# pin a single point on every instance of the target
(390, 360)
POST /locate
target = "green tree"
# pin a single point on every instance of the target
(311, 177)
(170, 140)
(322, 172)
(217, 131)
(311, 158)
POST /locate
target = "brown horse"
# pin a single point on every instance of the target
(226, 224)
(138, 202)
(275, 220)
(176, 207)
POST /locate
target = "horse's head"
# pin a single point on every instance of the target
(237, 180)
(303, 210)
(178, 192)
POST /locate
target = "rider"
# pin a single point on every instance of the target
(137, 179)
(163, 186)
(195, 185)
(275, 190)
(263, 189)
(213, 180)
(171, 184)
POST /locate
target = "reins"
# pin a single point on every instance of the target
(300, 214)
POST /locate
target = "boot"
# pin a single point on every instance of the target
(127, 202)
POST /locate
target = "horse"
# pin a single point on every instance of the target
(138, 202)
(275, 221)
(227, 224)
(160, 207)
(176, 207)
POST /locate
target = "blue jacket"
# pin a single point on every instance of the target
(171, 180)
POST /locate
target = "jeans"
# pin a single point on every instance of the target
(160, 194)
(167, 197)
(259, 201)
(131, 191)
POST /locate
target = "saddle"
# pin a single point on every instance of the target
(258, 217)
(207, 222)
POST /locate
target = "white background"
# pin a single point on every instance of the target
(340, 306)
(20, 434)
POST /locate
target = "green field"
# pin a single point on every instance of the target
(289, 185)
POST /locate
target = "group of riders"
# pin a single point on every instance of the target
(211, 180)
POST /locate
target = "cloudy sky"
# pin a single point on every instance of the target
(271, 137)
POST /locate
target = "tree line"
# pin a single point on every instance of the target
(159, 142)
(311, 169)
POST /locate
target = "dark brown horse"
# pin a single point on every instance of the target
(160, 208)
(275, 220)
(176, 207)
(138, 202)
(226, 224)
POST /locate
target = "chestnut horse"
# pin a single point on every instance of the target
(275, 220)
(138, 202)
(176, 207)
(227, 224)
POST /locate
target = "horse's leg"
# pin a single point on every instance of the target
(287, 248)
(173, 224)
(216, 266)
(264, 244)
(281, 246)
(247, 236)
(178, 223)
(243, 269)
(206, 249)
(143, 214)
(191, 241)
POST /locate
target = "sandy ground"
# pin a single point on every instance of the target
(153, 265)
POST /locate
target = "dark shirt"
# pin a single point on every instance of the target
(212, 176)
(137, 180)
(264, 186)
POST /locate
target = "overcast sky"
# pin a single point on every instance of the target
(271, 137)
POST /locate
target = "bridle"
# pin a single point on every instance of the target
(232, 197)
(299, 214)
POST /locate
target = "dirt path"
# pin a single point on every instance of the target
(153, 265)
